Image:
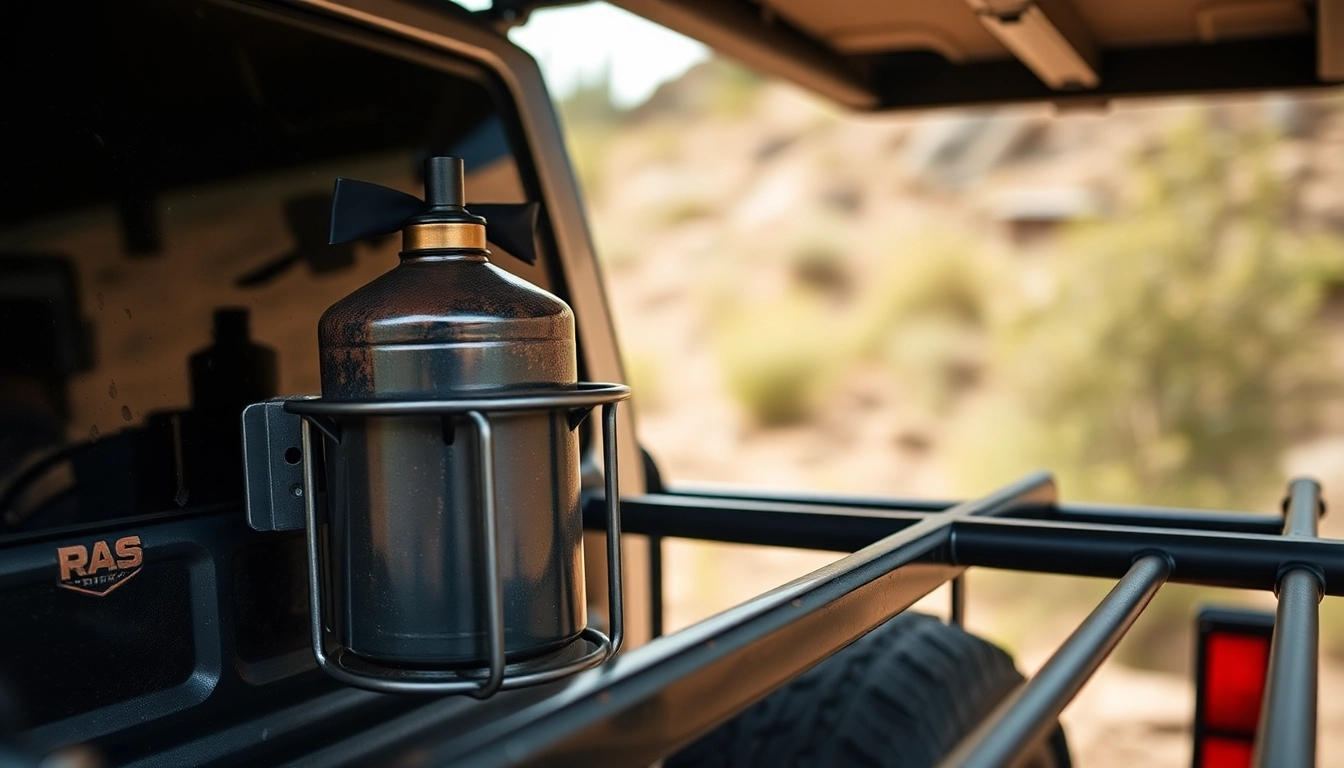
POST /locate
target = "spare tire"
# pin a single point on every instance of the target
(902, 696)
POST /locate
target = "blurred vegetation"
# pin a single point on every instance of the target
(926, 314)
(1178, 357)
(685, 210)
(644, 372)
(591, 120)
(734, 88)
(777, 358)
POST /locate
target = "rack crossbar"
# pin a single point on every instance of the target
(1235, 560)
(1077, 512)
(1029, 713)
(846, 524)
(1201, 556)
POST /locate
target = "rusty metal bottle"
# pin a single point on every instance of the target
(405, 564)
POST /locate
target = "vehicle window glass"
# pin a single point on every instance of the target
(163, 256)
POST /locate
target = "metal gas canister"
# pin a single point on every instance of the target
(405, 567)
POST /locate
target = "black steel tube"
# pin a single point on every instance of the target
(1031, 711)
(752, 493)
(1104, 514)
(582, 395)
(656, 608)
(1235, 560)
(653, 699)
(769, 523)
(1286, 737)
(813, 523)
(1303, 507)
(1287, 733)
(1158, 517)
(615, 582)
(957, 611)
(1226, 559)
(494, 585)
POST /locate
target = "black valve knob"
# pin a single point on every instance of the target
(362, 209)
(445, 183)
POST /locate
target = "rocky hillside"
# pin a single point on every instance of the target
(822, 299)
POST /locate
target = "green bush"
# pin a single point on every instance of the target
(924, 317)
(776, 358)
(684, 210)
(734, 88)
(644, 371)
(822, 268)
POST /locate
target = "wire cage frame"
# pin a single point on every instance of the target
(498, 675)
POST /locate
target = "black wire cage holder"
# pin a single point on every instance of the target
(594, 646)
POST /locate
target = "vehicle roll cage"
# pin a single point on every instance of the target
(652, 700)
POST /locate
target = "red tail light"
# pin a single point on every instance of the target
(1231, 662)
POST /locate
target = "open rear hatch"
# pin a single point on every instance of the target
(923, 53)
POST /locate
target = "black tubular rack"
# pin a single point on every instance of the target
(650, 701)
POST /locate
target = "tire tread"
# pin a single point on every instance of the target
(901, 696)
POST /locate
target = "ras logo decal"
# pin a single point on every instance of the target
(94, 571)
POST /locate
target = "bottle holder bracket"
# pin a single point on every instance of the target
(272, 432)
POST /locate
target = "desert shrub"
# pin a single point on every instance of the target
(1332, 627)
(644, 371)
(823, 268)
(587, 145)
(923, 317)
(735, 88)
(929, 275)
(682, 210)
(776, 356)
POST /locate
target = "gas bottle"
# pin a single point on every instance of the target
(405, 567)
